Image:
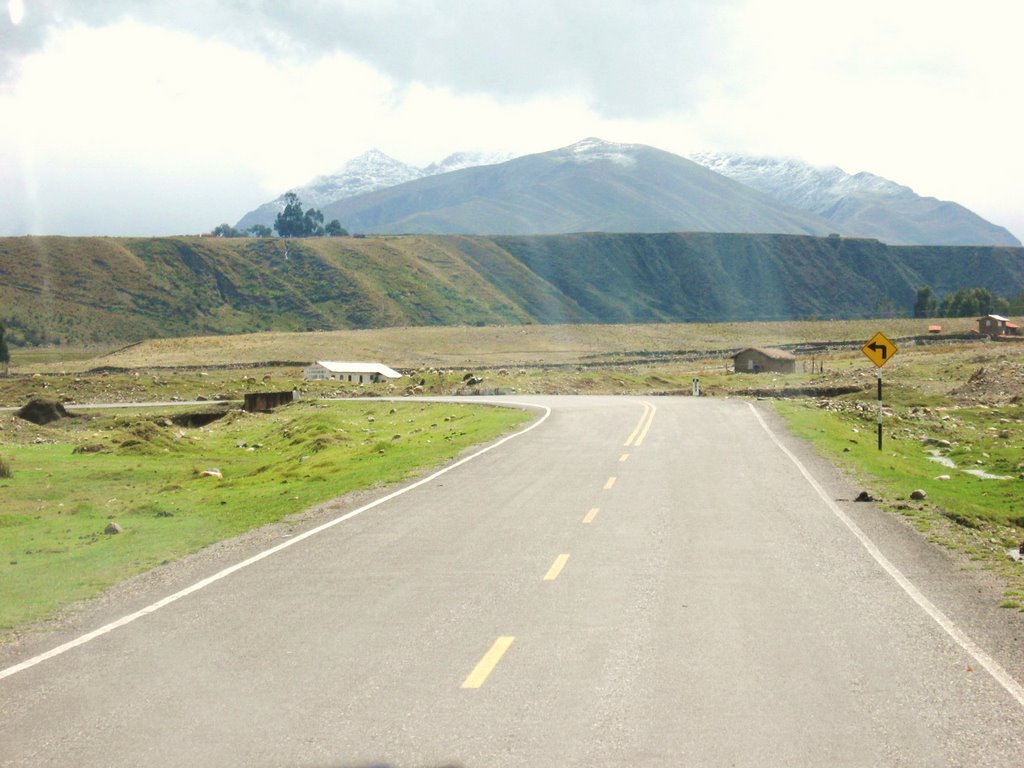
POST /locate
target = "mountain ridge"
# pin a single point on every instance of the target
(591, 186)
(863, 204)
(107, 290)
(364, 173)
(796, 197)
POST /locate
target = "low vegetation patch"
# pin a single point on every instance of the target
(911, 460)
(966, 459)
(173, 489)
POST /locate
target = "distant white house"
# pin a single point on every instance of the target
(358, 373)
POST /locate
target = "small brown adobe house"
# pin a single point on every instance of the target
(764, 360)
(996, 326)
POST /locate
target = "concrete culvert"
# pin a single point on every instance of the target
(200, 419)
(42, 410)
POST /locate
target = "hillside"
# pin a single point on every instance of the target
(600, 186)
(368, 172)
(111, 290)
(590, 186)
(861, 204)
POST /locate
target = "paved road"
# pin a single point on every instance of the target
(654, 582)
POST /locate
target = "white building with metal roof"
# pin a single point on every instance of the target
(357, 373)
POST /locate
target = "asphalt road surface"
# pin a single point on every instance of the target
(651, 582)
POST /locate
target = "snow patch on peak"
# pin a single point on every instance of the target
(794, 182)
(368, 172)
(592, 149)
(459, 160)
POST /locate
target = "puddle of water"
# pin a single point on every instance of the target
(986, 476)
(945, 461)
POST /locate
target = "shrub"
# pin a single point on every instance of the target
(5, 468)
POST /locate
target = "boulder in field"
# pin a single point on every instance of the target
(42, 410)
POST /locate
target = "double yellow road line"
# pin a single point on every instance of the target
(636, 439)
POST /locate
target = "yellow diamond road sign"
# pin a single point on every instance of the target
(879, 350)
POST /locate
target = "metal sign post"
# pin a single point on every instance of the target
(879, 350)
(879, 374)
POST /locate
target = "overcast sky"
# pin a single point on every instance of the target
(172, 116)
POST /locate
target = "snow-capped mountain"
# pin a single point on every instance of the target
(861, 204)
(368, 172)
(592, 150)
(371, 170)
(803, 198)
(460, 160)
(589, 186)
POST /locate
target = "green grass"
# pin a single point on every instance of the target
(54, 508)
(904, 464)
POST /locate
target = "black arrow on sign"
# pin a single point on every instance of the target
(876, 347)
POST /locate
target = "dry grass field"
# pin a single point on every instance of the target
(467, 347)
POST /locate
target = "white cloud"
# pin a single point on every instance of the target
(921, 92)
(181, 114)
(132, 129)
(173, 128)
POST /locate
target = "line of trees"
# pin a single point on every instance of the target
(291, 222)
(256, 230)
(966, 302)
(5, 354)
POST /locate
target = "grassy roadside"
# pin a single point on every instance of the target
(983, 518)
(144, 472)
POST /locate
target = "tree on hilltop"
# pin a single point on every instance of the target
(294, 222)
(334, 229)
(289, 222)
(312, 223)
(226, 230)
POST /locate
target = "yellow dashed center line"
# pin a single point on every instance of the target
(556, 568)
(490, 660)
(487, 664)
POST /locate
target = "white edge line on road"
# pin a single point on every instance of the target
(973, 649)
(268, 552)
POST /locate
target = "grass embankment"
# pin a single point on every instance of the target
(144, 473)
(981, 517)
(105, 291)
